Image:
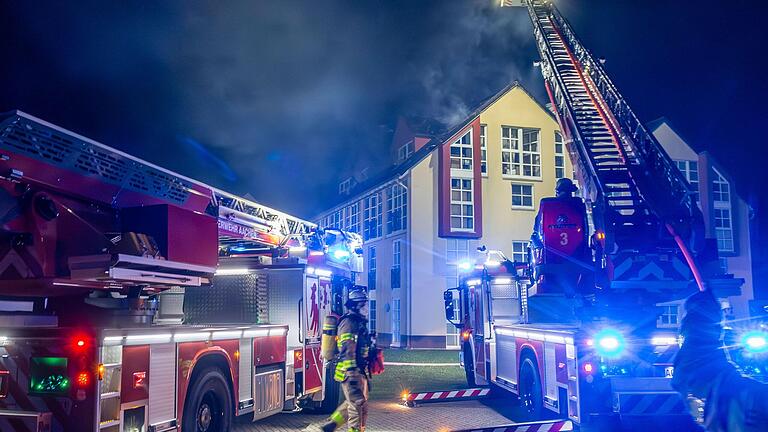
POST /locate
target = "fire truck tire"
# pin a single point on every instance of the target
(469, 364)
(530, 396)
(208, 406)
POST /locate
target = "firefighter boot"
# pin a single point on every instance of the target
(329, 427)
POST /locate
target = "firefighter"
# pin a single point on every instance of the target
(354, 343)
(733, 402)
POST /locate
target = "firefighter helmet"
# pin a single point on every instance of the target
(565, 186)
(356, 297)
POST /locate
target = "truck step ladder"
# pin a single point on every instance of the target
(541, 426)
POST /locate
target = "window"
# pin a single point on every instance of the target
(462, 208)
(372, 316)
(522, 196)
(371, 268)
(456, 250)
(336, 219)
(345, 186)
(520, 251)
(461, 152)
(721, 190)
(396, 322)
(395, 271)
(723, 265)
(721, 193)
(396, 253)
(559, 156)
(520, 159)
(724, 229)
(668, 316)
(372, 217)
(352, 218)
(483, 150)
(690, 170)
(397, 205)
(404, 151)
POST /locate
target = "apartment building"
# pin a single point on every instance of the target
(726, 215)
(450, 190)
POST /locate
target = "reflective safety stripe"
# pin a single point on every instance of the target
(328, 326)
(345, 337)
(342, 367)
(338, 418)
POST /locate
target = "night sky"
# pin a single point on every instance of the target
(279, 98)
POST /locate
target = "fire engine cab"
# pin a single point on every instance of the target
(135, 299)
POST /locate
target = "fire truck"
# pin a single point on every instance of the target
(575, 331)
(136, 299)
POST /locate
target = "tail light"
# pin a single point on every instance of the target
(83, 379)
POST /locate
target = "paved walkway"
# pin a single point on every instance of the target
(392, 417)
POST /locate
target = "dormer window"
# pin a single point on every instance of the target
(404, 151)
(345, 186)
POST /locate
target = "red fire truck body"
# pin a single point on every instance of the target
(112, 272)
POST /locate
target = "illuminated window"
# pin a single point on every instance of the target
(520, 152)
(668, 317)
(461, 152)
(483, 150)
(372, 217)
(397, 207)
(522, 196)
(456, 250)
(559, 156)
(462, 208)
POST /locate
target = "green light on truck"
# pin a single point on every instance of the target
(48, 375)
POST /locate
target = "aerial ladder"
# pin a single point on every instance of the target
(593, 351)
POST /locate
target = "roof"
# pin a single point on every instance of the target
(397, 171)
(655, 124)
(425, 126)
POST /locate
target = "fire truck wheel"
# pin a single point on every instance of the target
(208, 407)
(469, 365)
(530, 388)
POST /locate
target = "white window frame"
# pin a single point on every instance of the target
(396, 314)
(372, 315)
(484, 150)
(397, 199)
(672, 313)
(456, 250)
(723, 213)
(559, 156)
(404, 151)
(352, 218)
(519, 158)
(522, 196)
(345, 186)
(372, 212)
(396, 253)
(519, 251)
(690, 170)
(464, 159)
(458, 198)
(371, 258)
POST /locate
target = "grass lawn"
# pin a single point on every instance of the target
(396, 379)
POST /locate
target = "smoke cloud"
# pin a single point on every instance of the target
(274, 98)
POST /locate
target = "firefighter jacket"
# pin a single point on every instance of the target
(733, 402)
(354, 342)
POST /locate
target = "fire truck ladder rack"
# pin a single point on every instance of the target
(37, 139)
(620, 164)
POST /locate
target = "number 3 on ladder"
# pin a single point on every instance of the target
(563, 238)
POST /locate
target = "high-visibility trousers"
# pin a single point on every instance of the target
(354, 409)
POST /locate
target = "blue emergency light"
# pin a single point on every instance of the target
(755, 341)
(609, 343)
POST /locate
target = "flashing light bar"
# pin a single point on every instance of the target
(492, 263)
(232, 271)
(316, 253)
(465, 266)
(297, 249)
(473, 282)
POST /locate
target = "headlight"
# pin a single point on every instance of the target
(609, 343)
(755, 341)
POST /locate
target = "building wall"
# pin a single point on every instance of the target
(425, 269)
(739, 262)
(501, 222)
